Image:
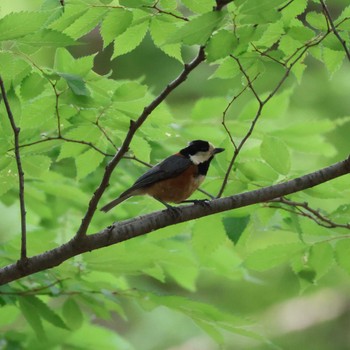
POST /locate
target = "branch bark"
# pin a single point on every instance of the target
(16, 131)
(128, 229)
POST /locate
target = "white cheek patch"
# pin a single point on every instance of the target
(200, 157)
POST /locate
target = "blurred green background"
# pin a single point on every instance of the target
(294, 316)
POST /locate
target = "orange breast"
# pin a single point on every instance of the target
(177, 189)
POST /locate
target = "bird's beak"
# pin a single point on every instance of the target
(218, 150)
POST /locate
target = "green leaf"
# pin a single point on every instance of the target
(294, 9)
(48, 37)
(342, 253)
(46, 313)
(199, 6)
(275, 152)
(321, 258)
(33, 85)
(271, 256)
(72, 314)
(260, 11)
(66, 63)
(141, 148)
(258, 171)
(115, 23)
(228, 69)
(36, 166)
(208, 234)
(220, 45)
(271, 35)
(316, 20)
(18, 24)
(86, 22)
(333, 59)
(209, 108)
(129, 91)
(72, 11)
(130, 39)
(76, 84)
(87, 162)
(235, 226)
(31, 314)
(198, 30)
(136, 3)
(160, 31)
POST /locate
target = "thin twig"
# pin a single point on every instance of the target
(16, 131)
(284, 6)
(224, 114)
(55, 138)
(262, 103)
(309, 212)
(159, 10)
(334, 29)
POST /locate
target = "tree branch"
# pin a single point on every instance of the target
(134, 126)
(334, 29)
(128, 229)
(304, 209)
(16, 131)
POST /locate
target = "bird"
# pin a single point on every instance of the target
(175, 178)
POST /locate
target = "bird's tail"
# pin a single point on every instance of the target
(114, 202)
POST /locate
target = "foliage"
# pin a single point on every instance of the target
(260, 56)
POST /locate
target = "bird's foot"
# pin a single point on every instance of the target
(203, 202)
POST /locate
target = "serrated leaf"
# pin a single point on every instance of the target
(294, 9)
(36, 166)
(228, 69)
(48, 37)
(66, 63)
(32, 85)
(115, 23)
(260, 11)
(136, 3)
(271, 256)
(130, 39)
(208, 234)
(272, 34)
(72, 314)
(18, 24)
(129, 91)
(76, 84)
(87, 162)
(31, 314)
(160, 31)
(275, 152)
(86, 22)
(333, 59)
(198, 30)
(316, 20)
(220, 45)
(199, 6)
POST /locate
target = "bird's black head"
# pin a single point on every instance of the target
(200, 151)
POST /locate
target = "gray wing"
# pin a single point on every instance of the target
(168, 168)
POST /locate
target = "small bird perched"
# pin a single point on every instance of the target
(175, 178)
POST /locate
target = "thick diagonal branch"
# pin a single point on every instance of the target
(16, 131)
(129, 229)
